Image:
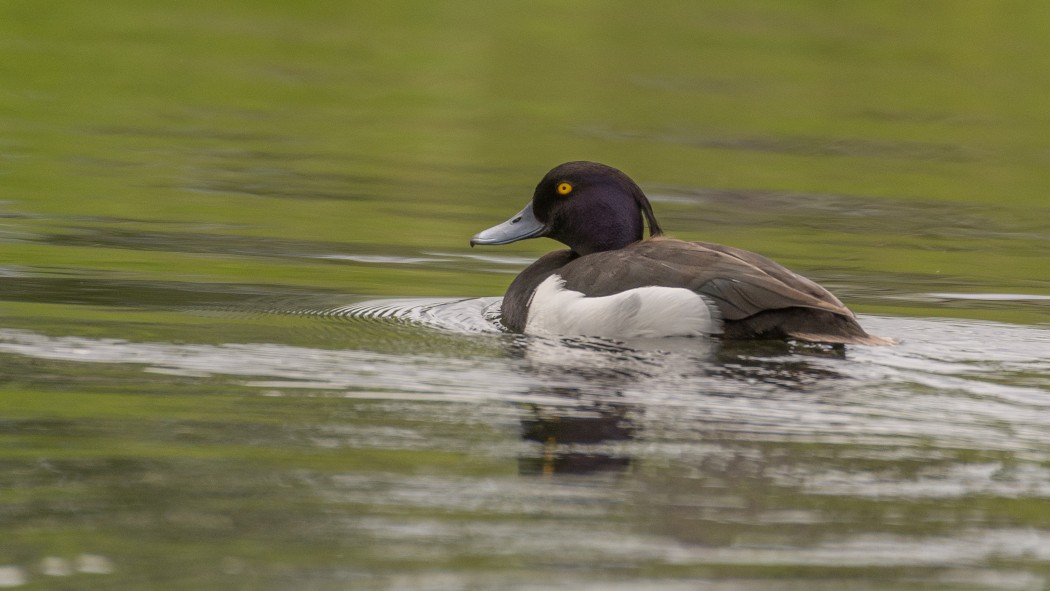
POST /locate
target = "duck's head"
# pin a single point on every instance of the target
(587, 206)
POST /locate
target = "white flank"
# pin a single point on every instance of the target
(640, 312)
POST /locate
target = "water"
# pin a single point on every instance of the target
(244, 343)
(479, 459)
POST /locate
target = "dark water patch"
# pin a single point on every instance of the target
(990, 297)
(51, 222)
(916, 219)
(169, 295)
(207, 242)
(679, 84)
(924, 294)
(193, 242)
(929, 117)
(250, 163)
(188, 133)
(851, 147)
(1036, 306)
(279, 183)
(806, 145)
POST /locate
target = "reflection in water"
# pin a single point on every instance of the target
(572, 441)
(592, 376)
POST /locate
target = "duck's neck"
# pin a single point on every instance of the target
(605, 228)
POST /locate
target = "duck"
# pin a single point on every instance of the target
(614, 282)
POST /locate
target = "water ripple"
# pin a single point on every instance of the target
(455, 314)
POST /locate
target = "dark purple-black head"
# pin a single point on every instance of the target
(587, 206)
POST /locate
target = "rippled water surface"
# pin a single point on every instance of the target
(244, 343)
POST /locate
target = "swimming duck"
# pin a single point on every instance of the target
(612, 282)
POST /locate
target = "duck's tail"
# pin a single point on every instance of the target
(840, 339)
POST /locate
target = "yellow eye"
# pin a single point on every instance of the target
(564, 188)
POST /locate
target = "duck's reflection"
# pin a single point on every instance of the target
(575, 443)
(597, 390)
(590, 376)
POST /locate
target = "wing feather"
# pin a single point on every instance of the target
(740, 282)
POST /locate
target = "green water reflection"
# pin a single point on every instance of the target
(189, 190)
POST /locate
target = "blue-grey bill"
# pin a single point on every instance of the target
(519, 227)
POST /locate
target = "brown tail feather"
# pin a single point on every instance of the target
(807, 324)
(865, 339)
